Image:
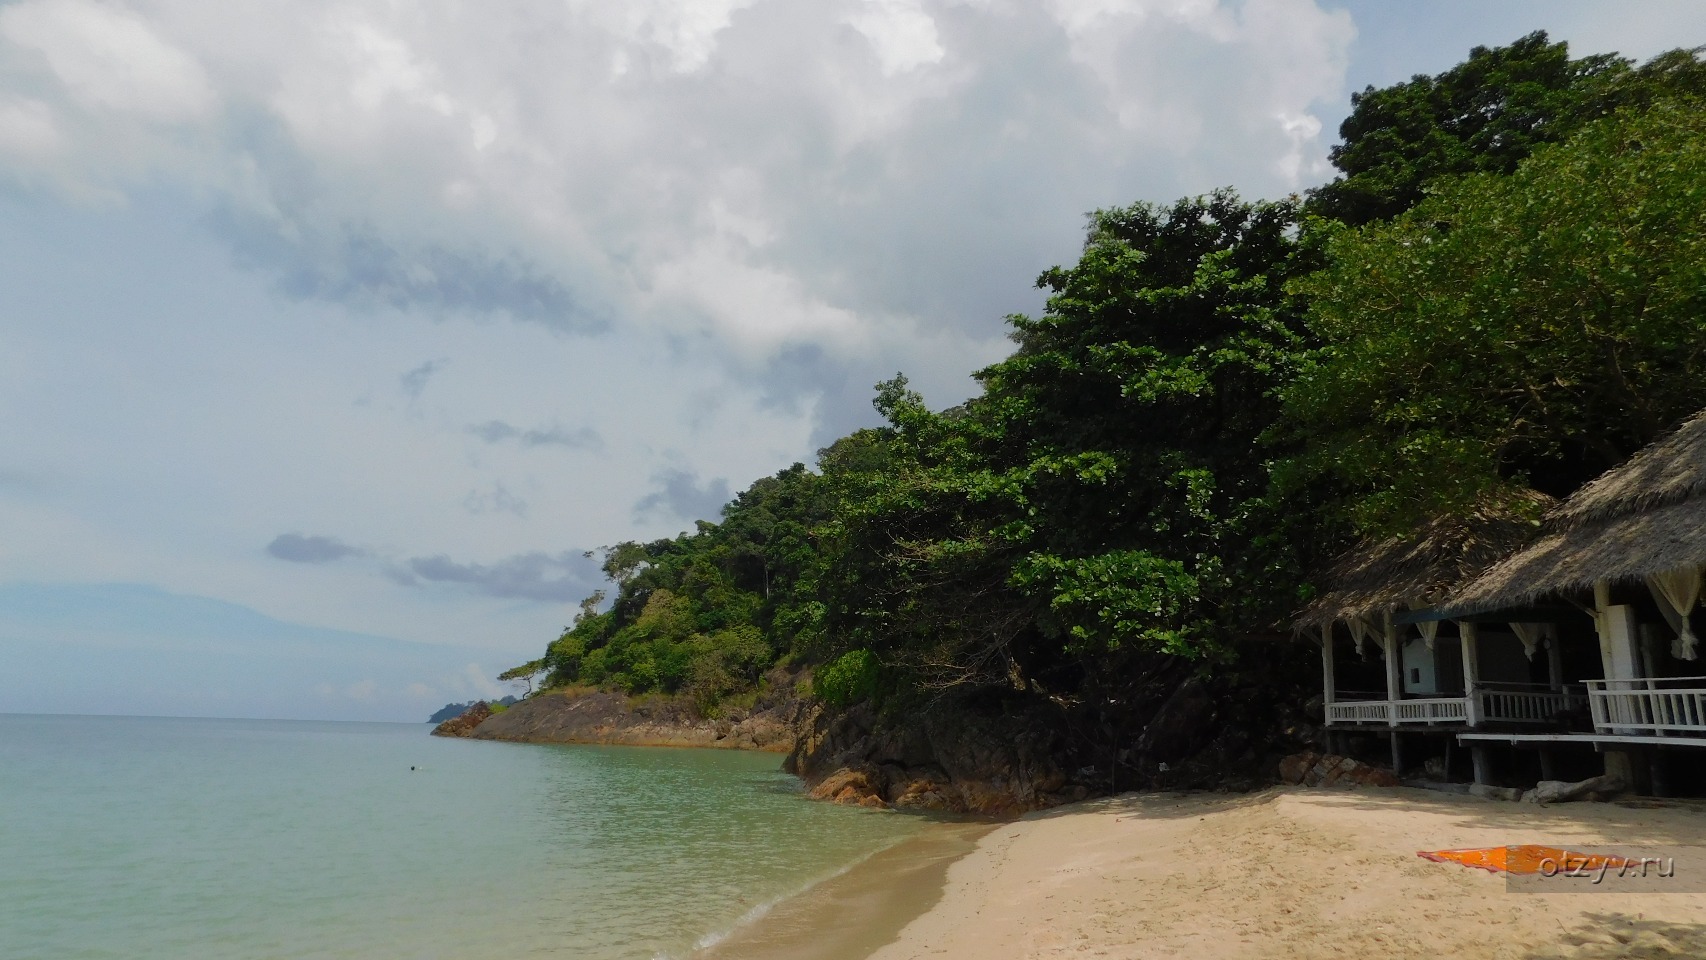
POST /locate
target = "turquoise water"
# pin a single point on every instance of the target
(141, 838)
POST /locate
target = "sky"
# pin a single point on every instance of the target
(334, 333)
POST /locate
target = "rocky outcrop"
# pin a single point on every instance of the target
(464, 723)
(1329, 770)
(945, 759)
(1166, 725)
(596, 716)
(451, 711)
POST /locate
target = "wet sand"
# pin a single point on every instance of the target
(851, 915)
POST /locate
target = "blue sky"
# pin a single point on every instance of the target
(333, 333)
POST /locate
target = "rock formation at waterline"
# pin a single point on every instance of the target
(464, 723)
(1006, 755)
(597, 716)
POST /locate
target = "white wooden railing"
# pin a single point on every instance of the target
(1394, 712)
(1496, 702)
(1436, 710)
(1360, 711)
(1658, 706)
(1525, 702)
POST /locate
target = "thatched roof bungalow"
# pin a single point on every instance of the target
(1422, 570)
(1644, 521)
(1628, 550)
(1374, 592)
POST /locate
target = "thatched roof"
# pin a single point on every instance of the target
(1424, 568)
(1645, 517)
(1669, 471)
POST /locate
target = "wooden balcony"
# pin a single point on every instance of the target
(1392, 713)
(1673, 706)
(1497, 703)
(1528, 702)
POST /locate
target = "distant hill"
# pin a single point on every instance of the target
(458, 709)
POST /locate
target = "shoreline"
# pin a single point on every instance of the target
(856, 911)
(1284, 874)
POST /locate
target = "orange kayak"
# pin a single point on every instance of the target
(1524, 859)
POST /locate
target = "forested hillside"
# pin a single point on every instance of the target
(1504, 289)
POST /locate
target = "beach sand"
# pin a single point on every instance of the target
(1292, 873)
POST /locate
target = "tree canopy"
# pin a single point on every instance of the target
(1529, 329)
(1484, 115)
(1105, 496)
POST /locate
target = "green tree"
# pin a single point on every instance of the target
(708, 611)
(1484, 115)
(1529, 329)
(1106, 498)
(525, 673)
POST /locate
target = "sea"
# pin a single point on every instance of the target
(132, 838)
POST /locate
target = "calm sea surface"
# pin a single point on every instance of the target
(136, 838)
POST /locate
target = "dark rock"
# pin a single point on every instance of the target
(951, 757)
(464, 723)
(851, 786)
(1294, 768)
(451, 711)
(1311, 769)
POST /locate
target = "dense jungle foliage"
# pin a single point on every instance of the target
(1505, 288)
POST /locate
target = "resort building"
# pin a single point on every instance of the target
(1547, 654)
(1390, 664)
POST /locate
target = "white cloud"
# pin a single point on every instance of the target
(900, 32)
(28, 129)
(686, 33)
(109, 59)
(476, 679)
(396, 152)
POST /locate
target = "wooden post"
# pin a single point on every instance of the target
(1394, 672)
(1618, 628)
(1548, 764)
(1555, 662)
(1467, 638)
(1621, 764)
(1328, 682)
(1601, 603)
(1483, 770)
(1397, 754)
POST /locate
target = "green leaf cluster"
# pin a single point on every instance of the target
(1513, 331)
(707, 612)
(1484, 115)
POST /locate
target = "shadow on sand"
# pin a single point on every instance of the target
(1619, 936)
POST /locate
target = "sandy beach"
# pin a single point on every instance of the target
(1294, 873)
(1287, 873)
